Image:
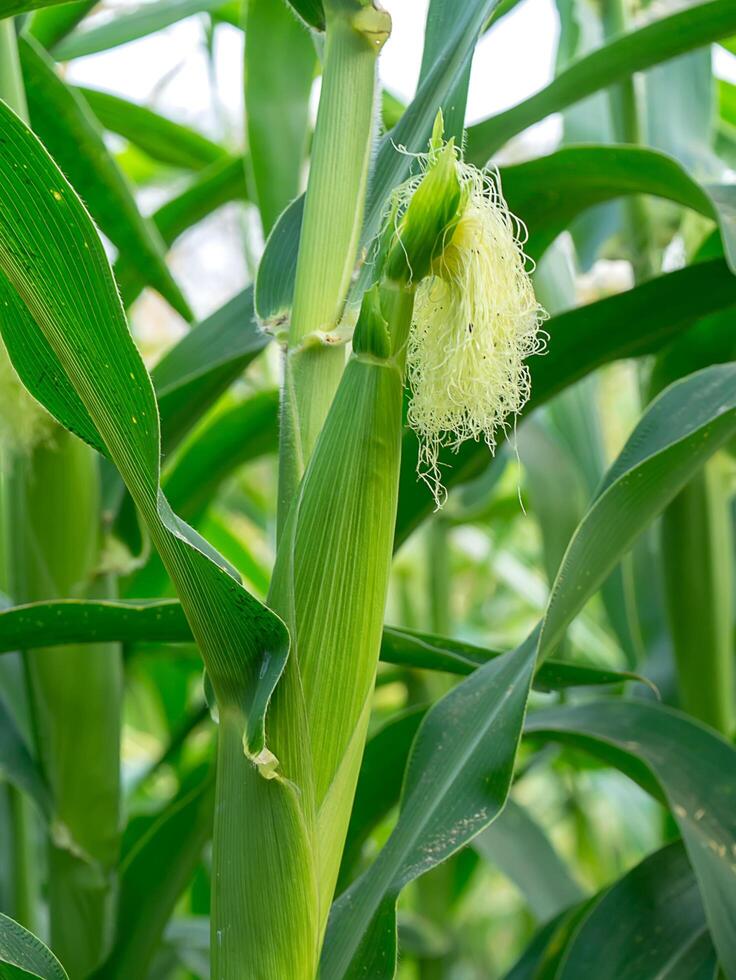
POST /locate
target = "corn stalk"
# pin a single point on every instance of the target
(331, 226)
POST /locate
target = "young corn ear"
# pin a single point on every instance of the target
(476, 318)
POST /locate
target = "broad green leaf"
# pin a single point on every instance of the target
(162, 139)
(25, 954)
(693, 27)
(662, 892)
(50, 24)
(280, 61)
(275, 281)
(69, 132)
(680, 110)
(520, 849)
(67, 621)
(147, 19)
(631, 324)
(82, 348)
(410, 648)
(153, 876)
(197, 370)
(695, 781)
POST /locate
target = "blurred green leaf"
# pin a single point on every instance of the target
(147, 19)
(162, 139)
(18, 766)
(520, 849)
(280, 61)
(218, 184)
(196, 371)
(311, 11)
(550, 191)
(240, 433)
(70, 133)
(50, 24)
(693, 27)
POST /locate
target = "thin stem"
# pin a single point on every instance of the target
(697, 544)
(25, 861)
(627, 129)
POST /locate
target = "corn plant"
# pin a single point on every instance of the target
(405, 574)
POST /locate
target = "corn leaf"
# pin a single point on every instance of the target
(522, 851)
(162, 139)
(695, 26)
(312, 12)
(88, 372)
(280, 62)
(550, 191)
(147, 19)
(455, 784)
(240, 433)
(25, 954)
(64, 621)
(69, 131)
(50, 24)
(663, 892)
(695, 781)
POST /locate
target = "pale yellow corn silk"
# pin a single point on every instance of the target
(476, 320)
(23, 422)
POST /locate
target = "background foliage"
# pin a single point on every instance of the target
(550, 771)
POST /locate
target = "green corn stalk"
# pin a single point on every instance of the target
(698, 548)
(51, 527)
(328, 245)
(329, 587)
